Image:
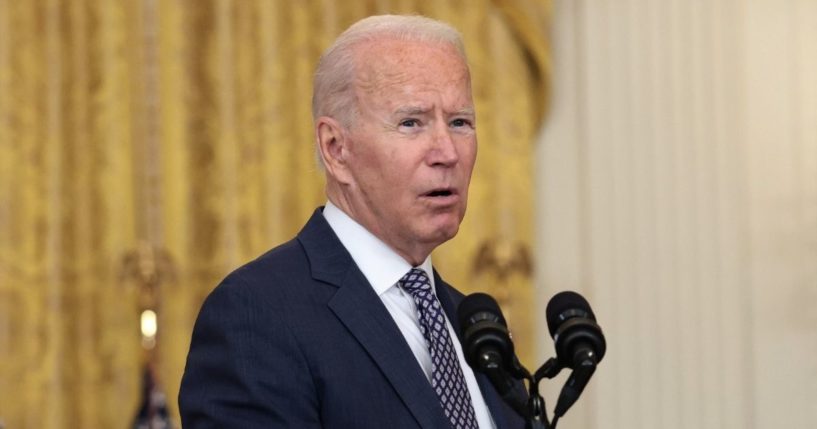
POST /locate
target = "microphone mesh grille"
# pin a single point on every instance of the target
(477, 303)
(564, 301)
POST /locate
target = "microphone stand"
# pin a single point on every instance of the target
(573, 387)
(534, 410)
(536, 404)
(537, 414)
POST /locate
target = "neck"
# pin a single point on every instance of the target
(414, 255)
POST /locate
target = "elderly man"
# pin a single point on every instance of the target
(348, 325)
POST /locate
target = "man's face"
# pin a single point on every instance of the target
(412, 145)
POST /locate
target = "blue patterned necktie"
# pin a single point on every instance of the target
(446, 375)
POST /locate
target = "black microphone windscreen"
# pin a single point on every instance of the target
(478, 303)
(561, 303)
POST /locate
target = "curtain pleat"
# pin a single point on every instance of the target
(167, 142)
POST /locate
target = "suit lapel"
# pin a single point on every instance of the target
(359, 308)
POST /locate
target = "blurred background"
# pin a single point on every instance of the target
(677, 189)
(659, 157)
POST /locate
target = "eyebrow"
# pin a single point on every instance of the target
(411, 110)
(417, 110)
(468, 111)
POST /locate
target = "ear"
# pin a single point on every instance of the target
(333, 145)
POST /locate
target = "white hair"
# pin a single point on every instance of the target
(333, 93)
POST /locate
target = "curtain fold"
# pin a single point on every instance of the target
(184, 128)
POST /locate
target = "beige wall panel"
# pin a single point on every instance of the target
(677, 191)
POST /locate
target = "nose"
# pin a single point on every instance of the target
(444, 149)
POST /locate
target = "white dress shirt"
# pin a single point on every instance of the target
(383, 268)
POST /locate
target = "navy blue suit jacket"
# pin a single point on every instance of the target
(299, 339)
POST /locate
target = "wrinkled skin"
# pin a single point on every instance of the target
(402, 167)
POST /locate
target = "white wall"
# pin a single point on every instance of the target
(677, 191)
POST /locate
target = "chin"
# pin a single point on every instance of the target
(444, 233)
(439, 228)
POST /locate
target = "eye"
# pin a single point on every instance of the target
(458, 123)
(409, 123)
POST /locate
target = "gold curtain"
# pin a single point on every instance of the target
(167, 142)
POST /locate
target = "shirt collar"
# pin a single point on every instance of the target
(378, 262)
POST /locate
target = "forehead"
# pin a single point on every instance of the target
(387, 63)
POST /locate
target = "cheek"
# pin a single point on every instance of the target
(367, 165)
(469, 156)
(384, 179)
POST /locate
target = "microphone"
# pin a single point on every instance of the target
(579, 343)
(488, 349)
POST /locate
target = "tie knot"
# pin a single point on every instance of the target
(416, 282)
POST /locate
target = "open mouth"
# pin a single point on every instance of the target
(440, 193)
